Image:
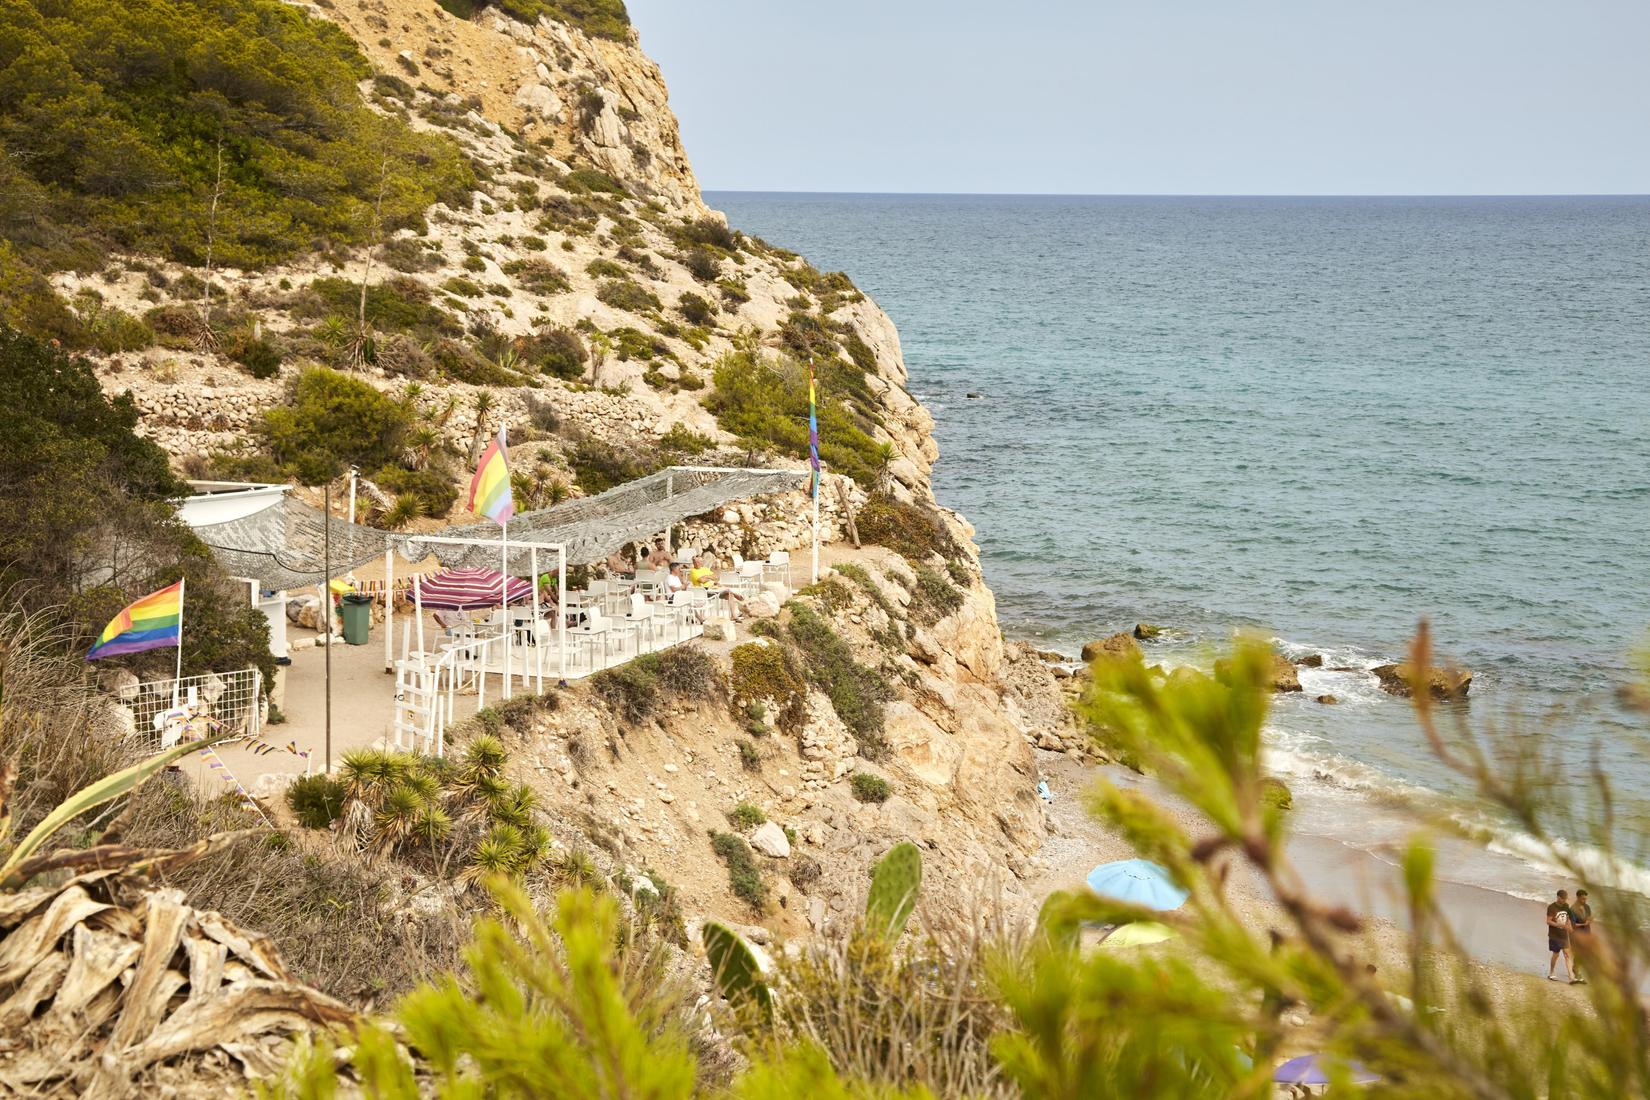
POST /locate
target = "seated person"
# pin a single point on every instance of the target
(701, 575)
(674, 583)
(619, 564)
(658, 557)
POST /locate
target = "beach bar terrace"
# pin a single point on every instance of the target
(497, 611)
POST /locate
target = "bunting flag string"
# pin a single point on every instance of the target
(215, 762)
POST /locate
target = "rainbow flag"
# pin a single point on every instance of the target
(154, 622)
(490, 488)
(813, 436)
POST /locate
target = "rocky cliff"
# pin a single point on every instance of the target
(584, 294)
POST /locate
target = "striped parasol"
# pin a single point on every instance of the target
(469, 589)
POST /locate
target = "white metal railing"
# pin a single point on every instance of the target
(217, 704)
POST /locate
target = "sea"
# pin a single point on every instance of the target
(1318, 419)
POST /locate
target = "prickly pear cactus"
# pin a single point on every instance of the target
(895, 880)
(738, 974)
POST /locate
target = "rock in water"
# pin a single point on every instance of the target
(1442, 683)
(1328, 700)
(1311, 660)
(1118, 645)
(770, 840)
(1280, 674)
(1146, 631)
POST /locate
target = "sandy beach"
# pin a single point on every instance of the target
(1500, 932)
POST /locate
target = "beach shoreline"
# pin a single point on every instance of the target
(1496, 932)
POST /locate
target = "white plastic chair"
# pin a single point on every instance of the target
(639, 618)
(778, 567)
(595, 629)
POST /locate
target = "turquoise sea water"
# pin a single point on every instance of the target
(1322, 418)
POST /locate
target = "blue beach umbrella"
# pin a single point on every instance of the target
(1138, 882)
(1312, 1069)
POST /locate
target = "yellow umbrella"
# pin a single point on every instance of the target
(1137, 934)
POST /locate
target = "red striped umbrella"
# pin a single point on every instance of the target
(468, 589)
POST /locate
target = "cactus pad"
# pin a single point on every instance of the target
(895, 880)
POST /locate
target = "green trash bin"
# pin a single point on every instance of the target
(356, 611)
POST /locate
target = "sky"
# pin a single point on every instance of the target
(1159, 96)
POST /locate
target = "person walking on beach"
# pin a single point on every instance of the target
(1581, 930)
(1558, 936)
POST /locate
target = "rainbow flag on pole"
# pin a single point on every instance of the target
(154, 622)
(813, 436)
(490, 488)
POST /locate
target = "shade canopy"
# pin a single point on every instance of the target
(1138, 882)
(469, 589)
(1313, 1069)
(285, 543)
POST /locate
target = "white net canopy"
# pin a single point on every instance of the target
(285, 545)
(592, 527)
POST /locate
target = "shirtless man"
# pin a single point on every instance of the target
(658, 557)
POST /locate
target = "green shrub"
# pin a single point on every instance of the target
(606, 269)
(684, 440)
(688, 672)
(750, 757)
(934, 596)
(432, 490)
(593, 179)
(746, 817)
(630, 690)
(333, 421)
(260, 357)
(695, 309)
(765, 404)
(631, 343)
(474, 263)
(409, 254)
(744, 874)
(463, 287)
(636, 689)
(113, 116)
(702, 264)
(395, 305)
(914, 531)
(705, 232)
(868, 787)
(766, 672)
(857, 692)
(599, 466)
(558, 352)
(538, 276)
(628, 295)
(316, 800)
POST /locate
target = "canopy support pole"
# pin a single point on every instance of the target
(561, 615)
(537, 650)
(389, 608)
(504, 600)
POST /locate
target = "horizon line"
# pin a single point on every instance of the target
(1197, 194)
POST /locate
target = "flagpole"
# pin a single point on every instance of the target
(177, 681)
(504, 597)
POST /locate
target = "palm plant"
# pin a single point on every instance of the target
(498, 853)
(433, 826)
(397, 816)
(407, 507)
(484, 406)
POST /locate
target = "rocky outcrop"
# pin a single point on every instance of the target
(601, 100)
(1281, 676)
(1116, 645)
(1443, 684)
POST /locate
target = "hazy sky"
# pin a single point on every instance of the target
(1160, 96)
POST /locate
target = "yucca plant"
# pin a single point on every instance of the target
(514, 806)
(497, 853)
(368, 773)
(397, 816)
(433, 826)
(485, 755)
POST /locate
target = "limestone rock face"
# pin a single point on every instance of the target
(1441, 683)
